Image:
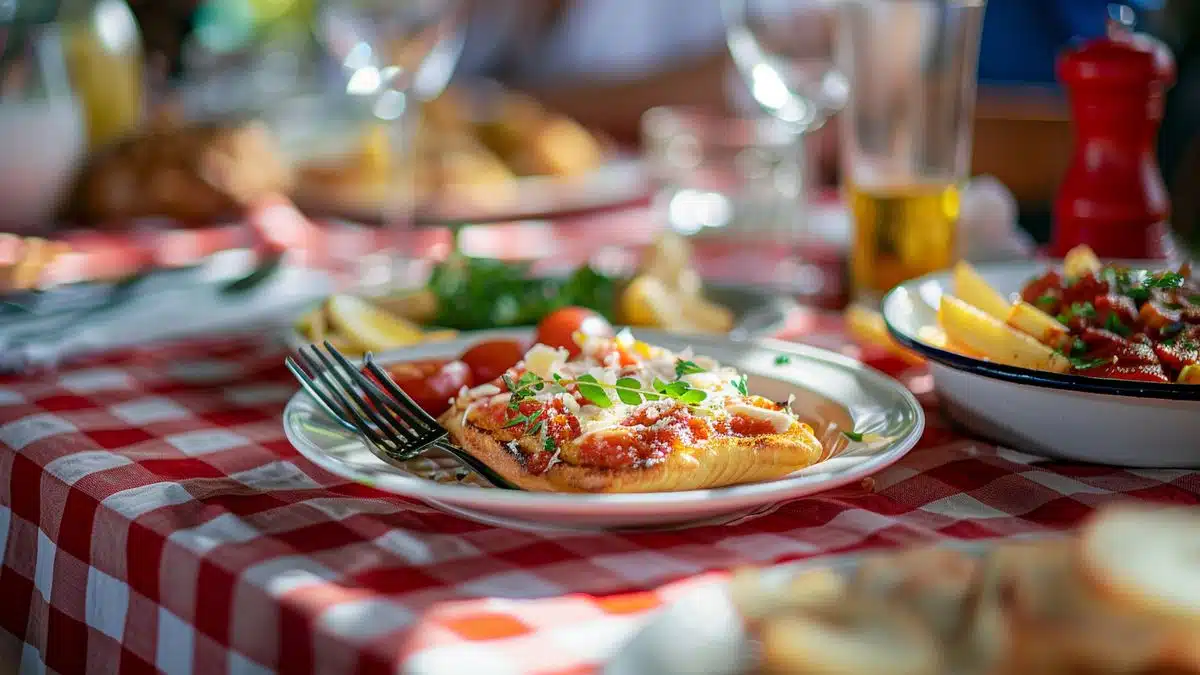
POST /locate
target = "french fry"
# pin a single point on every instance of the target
(1080, 261)
(1190, 374)
(996, 341)
(868, 326)
(936, 337)
(1038, 325)
(973, 290)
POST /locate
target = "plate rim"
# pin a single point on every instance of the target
(1014, 374)
(750, 492)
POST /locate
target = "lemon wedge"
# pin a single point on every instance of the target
(368, 327)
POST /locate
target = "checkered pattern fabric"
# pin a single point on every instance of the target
(154, 518)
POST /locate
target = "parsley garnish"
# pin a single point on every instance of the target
(1194, 299)
(1046, 301)
(782, 360)
(1078, 347)
(685, 367)
(1083, 309)
(853, 435)
(1084, 364)
(1173, 306)
(1113, 323)
(548, 444)
(740, 385)
(1165, 280)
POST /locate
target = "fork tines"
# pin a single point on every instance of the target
(391, 420)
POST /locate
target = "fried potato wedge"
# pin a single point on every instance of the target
(1080, 261)
(972, 289)
(996, 341)
(1038, 324)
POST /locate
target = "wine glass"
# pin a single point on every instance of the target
(393, 54)
(784, 51)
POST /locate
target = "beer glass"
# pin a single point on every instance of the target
(906, 132)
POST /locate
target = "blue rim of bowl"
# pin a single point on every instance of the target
(1038, 378)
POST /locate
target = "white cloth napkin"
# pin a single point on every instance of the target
(170, 308)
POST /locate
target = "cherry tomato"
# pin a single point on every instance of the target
(431, 383)
(559, 327)
(489, 359)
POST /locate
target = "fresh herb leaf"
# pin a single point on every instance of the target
(1165, 280)
(1046, 301)
(590, 389)
(1084, 310)
(1084, 364)
(1173, 306)
(1194, 299)
(693, 396)
(782, 360)
(685, 367)
(675, 389)
(740, 385)
(1113, 323)
(1063, 318)
(1078, 347)
(1171, 330)
(508, 383)
(548, 444)
(659, 385)
(528, 379)
(853, 435)
(629, 391)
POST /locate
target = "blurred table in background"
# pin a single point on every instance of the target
(813, 271)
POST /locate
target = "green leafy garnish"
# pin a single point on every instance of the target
(853, 435)
(1194, 299)
(593, 391)
(1085, 310)
(1046, 301)
(475, 293)
(628, 391)
(1173, 306)
(1113, 323)
(782, 360)
(685, 367)
(1078, 347)
(1166, 280)
(740, 385)
(1084, 364)
(548, 444)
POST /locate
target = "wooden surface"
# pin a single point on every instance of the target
(1023, 138)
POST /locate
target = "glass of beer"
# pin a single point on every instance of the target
(906, 132)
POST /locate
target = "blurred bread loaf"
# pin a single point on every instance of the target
(196, 174)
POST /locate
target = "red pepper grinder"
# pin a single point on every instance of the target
(1113, 198)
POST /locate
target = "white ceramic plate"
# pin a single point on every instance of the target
(620, 181)
(702, 634)
(833, 393)
(1066, 416)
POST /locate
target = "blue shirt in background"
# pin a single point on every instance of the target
(1022, 38)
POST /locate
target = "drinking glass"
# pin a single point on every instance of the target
(43, 132)
(393, 54)
(906, 132)
(784, 52)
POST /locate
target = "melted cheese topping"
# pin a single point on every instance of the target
(782, 421)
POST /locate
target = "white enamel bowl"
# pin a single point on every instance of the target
(1088, 419)
(833, 393)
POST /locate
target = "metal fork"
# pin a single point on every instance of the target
(395, 427)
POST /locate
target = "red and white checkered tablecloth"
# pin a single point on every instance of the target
(153, 517)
